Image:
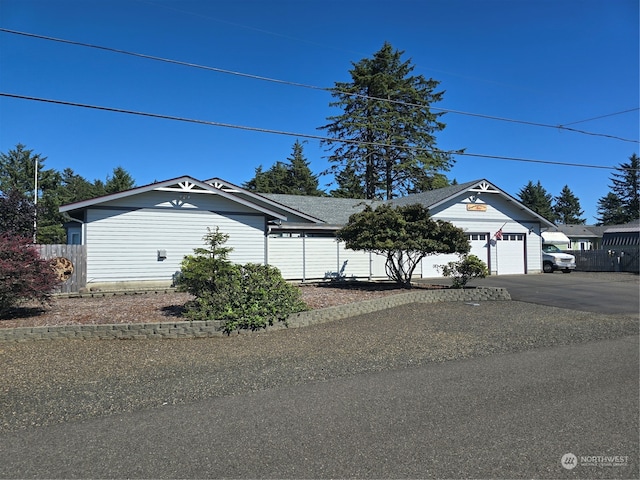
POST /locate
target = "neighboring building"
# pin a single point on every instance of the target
(140, 236)
(593, 237)
(578, 237)
(622, 235)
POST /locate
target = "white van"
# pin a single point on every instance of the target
(554, 259)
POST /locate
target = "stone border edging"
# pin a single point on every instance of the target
(212, 328)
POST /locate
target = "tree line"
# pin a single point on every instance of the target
(21, 211)
(382, 145)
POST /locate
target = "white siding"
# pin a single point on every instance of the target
(428, 267)
(321, 257)
(123, 245)
(358, 262)
(312, 258)
(509, 257)
(286, 254)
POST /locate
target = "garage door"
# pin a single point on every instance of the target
(508, 254)
(479, 243)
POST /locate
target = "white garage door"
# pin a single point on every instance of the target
(479, 246)
(508, 254)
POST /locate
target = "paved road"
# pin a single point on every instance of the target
(503, 416)
(511, 415)
(599, 292)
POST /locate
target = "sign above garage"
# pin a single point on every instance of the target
(476, 207)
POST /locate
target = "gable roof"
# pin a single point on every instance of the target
(262, 198)
(321, 212)
(434, 198)
(184, 184)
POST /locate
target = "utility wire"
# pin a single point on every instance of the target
(601, 116)
(291, 134)
(308, 86)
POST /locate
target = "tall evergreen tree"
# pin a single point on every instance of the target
(300, 178)
(293, 178)
(610, 210)
(18, 177)
(537, 199)
(18, 173)
(386, 133)
(120, 181)
(74, 188)
(567, 208)
(270, 181)
(349, 184)
(431, 182)
(625, 185)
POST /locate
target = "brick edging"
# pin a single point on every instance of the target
(211, 328)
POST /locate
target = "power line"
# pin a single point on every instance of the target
(291, 134)
(308, 86)
(601, 116)
(161, 59)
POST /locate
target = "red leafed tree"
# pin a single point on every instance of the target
(23, 274)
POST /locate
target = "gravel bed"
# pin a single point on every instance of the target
(162, 306)
(53, 382)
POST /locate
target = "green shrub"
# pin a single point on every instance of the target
(468, 267)
(247, 296)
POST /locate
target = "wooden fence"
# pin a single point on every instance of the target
(70, 262)
(615, 259)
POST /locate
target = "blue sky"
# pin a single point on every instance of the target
(542, 61)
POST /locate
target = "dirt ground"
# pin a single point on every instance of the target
(161, 306)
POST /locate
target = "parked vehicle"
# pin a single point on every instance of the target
(555, 259)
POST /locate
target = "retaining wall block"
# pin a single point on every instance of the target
(211, 328)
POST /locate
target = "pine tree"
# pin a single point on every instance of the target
(625, 183)
(567, 208)
(431, 182)
(300, 179)
(120, 181)
(536, 198)
(386, 133)
(293, 178)
(349, 184)
(610, 210)
(18, 173)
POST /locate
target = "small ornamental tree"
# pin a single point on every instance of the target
(404, 235)
(247, 296)
(468, 267)
(23, 274)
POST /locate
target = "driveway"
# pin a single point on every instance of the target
(598, 292)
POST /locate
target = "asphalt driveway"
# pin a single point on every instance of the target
(598, 292)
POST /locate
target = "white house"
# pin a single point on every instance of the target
(140, 236)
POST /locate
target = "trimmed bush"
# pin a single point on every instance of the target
(247, 296)
(468, 267)
(23, 274)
